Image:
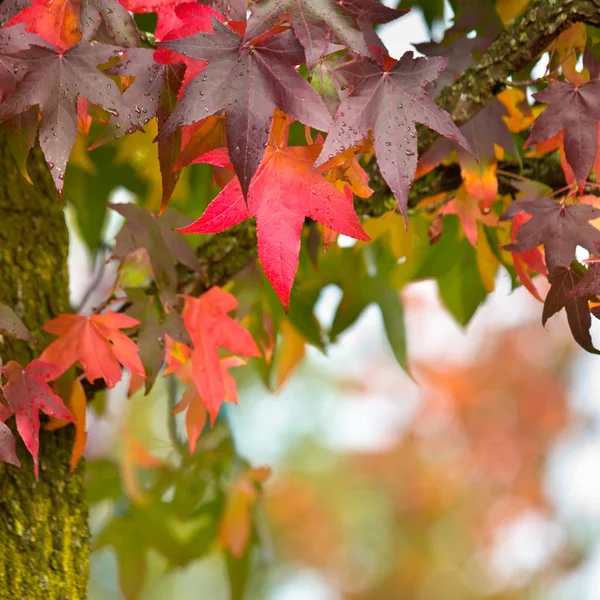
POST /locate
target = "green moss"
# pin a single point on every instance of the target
(44, 544)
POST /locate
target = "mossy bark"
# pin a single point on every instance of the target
(44, 544)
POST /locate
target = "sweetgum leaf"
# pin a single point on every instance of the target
(15, 39)
(312, 21)
(211, 328)
(143, 95)
(576, 111)
(11, 325)
(119, 24)
(164, 246)
(563, 280)
(559, 228)
(284, 192)
(389, 102)
(10, 8)
(54, 81)
(96, 343)
(589, 284)
(234, 10)
(8, 453)
(372, 11)
(152, 94)
(154, 325)
(27, 392)
(248, 83)
(165, 10)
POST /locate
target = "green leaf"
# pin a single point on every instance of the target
(238, 571)
(88, 189)
(453, 263)
(392, 311)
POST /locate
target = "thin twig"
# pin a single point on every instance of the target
(97, 279)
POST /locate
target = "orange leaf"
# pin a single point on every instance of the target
(210, 327)
(135, 456)
(96, 343)
(468, 209)
(78, 405)
(56, 21)
(481, 182)
(525, 262)
(234, 528)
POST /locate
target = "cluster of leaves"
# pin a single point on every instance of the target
(277, 126)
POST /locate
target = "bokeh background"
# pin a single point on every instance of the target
(477, 478)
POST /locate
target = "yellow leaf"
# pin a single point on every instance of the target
(487, 262)
(138, 150)
(289, 354)
(510, 9)
(519, 115)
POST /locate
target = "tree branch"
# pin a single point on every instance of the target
(516, 46)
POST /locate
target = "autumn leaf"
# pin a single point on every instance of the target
(57, 22)
(576, 111)
(560, 229)
(529, 260)
(211, 328)
(8, 452)
(196, 413)
(163, 245)
(155, 326)
(96, 343)
(234, 528)
(248, 84)
(11, 325)
(63, 23)
(469, 211)
(54, 81)
(313, 20)
(563, 280)
(77, 404)
(389, 102)
(165, 10)
(27, 392)
(284, 192)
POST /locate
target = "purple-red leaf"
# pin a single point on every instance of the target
(27, 392)
(54, 81)
(559, 228)
(8, 452)
(574, 110)
(389, 102)
(372, 11)
(248, 83)
(312, 20)
(563, 281)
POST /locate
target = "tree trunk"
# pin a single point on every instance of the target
(44, 543)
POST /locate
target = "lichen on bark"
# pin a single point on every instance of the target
(44, 538)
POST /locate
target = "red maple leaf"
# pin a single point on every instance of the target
(211, 328)
(283, 193)
(96, 343)
(27, 392)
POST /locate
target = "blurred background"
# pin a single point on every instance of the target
(477, 478)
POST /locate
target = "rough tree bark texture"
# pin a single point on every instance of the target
(44, 543)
